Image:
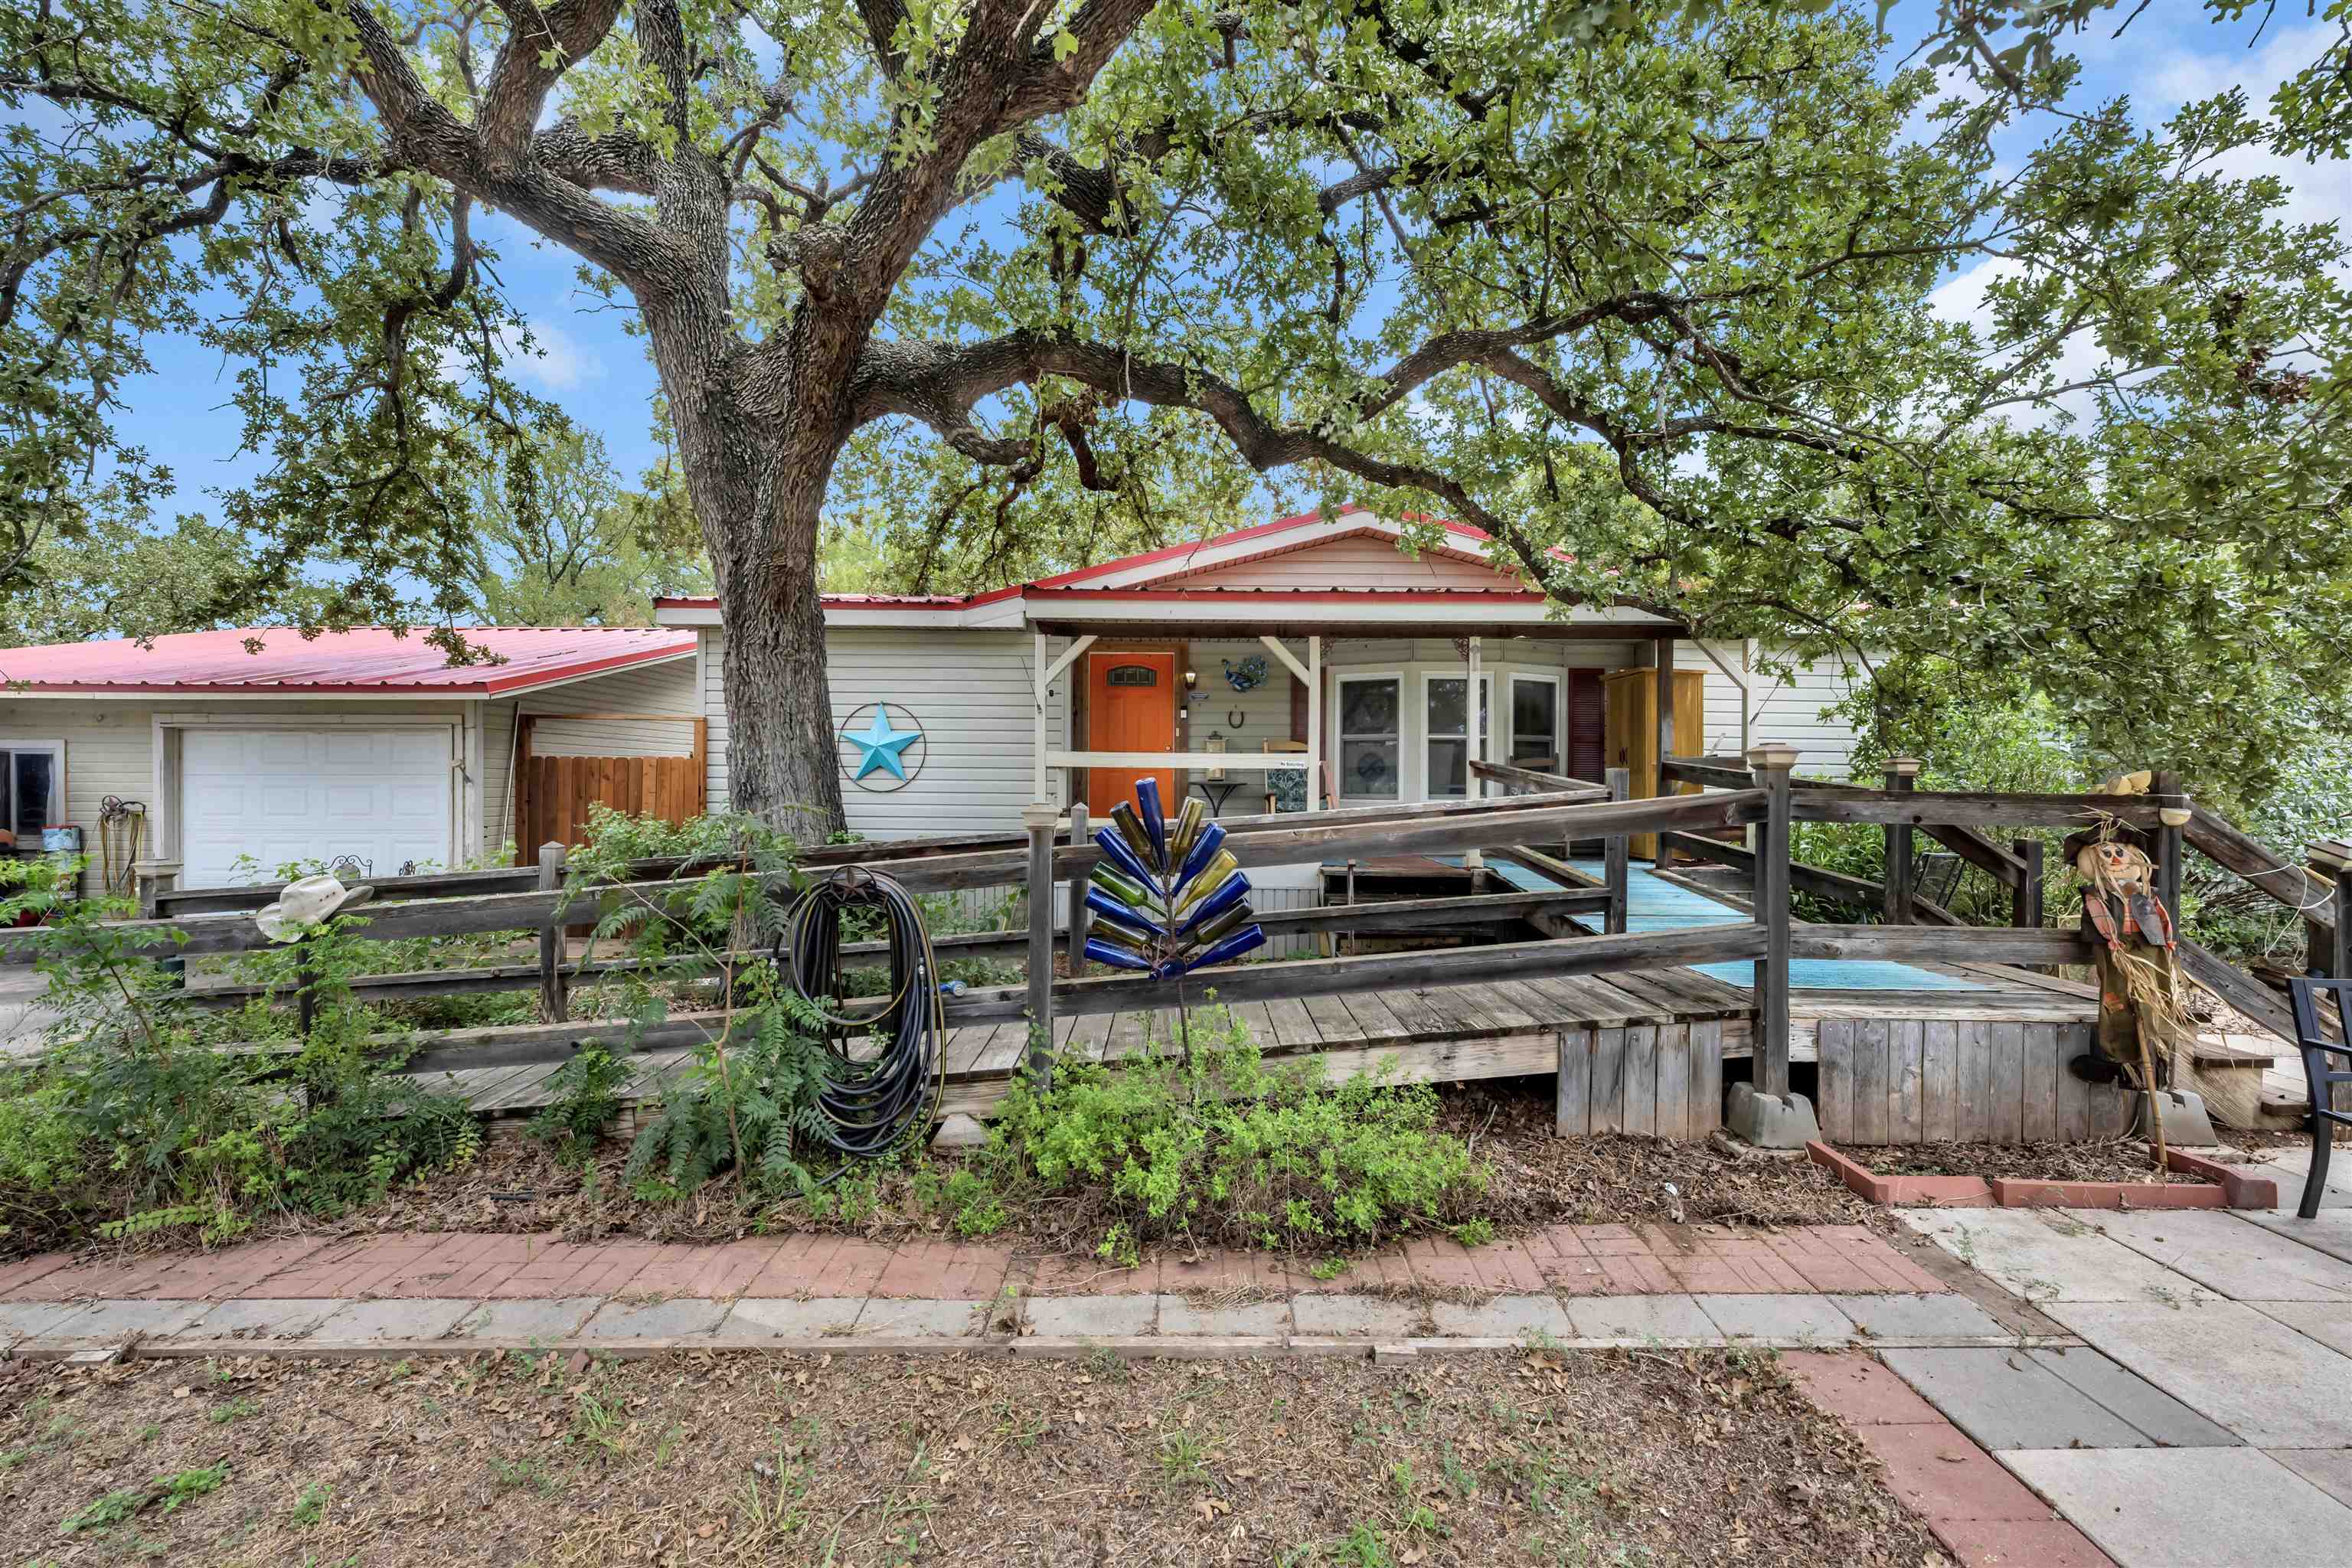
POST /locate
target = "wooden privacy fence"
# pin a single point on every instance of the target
(554, 791)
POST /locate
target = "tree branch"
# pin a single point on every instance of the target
(522, 77)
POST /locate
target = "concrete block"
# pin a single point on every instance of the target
(2046, 1259)
(23, 1320)
(1323, 1315)
(1505, 1317)
(2004, 1400)
(263, 1318)
(1394, 1355)
(2225, 1254)
(1771, 1120)
(1095, 1317)
(1778, 1318)
(681, 1316)
(2186, 1124)
(1177, 1317)
(958, 1131)
(1920, 1317)
(2172, 1423)
(2329, 1322)
(406, 1318)
(2190, 1508)
(110, 1322)
(528, 1322)
(935, 1320)
(790, 1317)
(2329, 1470)
(1640, 1318)
(2250, 1373)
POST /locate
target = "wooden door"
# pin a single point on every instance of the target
(1633, 741)
(1130, 707)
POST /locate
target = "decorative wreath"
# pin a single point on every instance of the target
(1248, 675)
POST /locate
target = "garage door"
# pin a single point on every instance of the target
(289, 795)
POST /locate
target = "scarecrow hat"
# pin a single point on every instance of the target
(307, 904)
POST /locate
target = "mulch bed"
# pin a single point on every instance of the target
(1509, 1457)
(2110, 1160)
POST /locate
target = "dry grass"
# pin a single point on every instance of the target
(2111, 1160)
(1521, 1457)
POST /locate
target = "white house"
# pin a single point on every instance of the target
(358, 744)
(1311, 633)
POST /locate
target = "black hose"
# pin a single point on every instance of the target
(868, 1106)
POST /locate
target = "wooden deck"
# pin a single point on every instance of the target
(1643, 1053)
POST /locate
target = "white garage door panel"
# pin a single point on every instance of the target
(284, 795)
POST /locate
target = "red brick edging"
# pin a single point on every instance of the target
(1981, 1513)
(2227, 1187)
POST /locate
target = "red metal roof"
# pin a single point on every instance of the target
(367, 660)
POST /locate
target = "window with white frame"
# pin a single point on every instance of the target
(1534, 722)
(1372, 710)
(32, 786)
(1446, 715)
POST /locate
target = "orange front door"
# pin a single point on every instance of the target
(1130, 707)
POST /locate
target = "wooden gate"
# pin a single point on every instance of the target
(552, 795)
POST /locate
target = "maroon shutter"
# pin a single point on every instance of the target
(1297, 709)
(1588, 726)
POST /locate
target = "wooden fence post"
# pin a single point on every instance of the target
(2025, 898)
(1617, 853)
(551, 998)
(1902, 774)
(2168, 844)
(1041, 819)
(1078, 920)
(1772, 762)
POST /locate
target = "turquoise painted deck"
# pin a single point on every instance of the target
(1655, 904)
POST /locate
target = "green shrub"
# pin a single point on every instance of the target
(1223, 1142)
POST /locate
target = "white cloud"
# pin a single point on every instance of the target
(555, 359)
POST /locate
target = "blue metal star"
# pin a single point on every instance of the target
(882, 744)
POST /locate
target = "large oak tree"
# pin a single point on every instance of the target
(1647, 292)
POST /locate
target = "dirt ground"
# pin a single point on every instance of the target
(2110, 1160)
(1534, 1457)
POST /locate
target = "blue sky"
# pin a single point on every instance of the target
(2169, 55)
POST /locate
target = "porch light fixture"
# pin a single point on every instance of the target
(1191, 680)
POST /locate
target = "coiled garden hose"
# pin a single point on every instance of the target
(869, 1105)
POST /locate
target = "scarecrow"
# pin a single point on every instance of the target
(2144, 1031)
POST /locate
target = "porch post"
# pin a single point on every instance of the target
(1078, 917)
(1040, 819)
(1614, 860)
(1902, 774)
(2171, 817)
(1476, 748)
(1663, 653)
(1042, 679)
(1770, 763)
(1315, 723)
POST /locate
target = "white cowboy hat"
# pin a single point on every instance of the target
(305, 904)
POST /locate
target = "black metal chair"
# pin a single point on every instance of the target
(1934, 876)
(2316, 1048)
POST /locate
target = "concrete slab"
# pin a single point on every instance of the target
(2004, 1400)
(1178, 1317)
(2328, 1231)
(920, 1320)
(1322, 1313)
(681, 1316)
(2329, 1322)
(1807, 1317)
(2289, 1167)
(1918, 1317)
(1640, 1318)
(408, 1318)
(2252, 1374)
(790, 1317)
(1096, 1317)
(20, 1320)
(2172, 1423)
(2042, 1263)
(1505, 1317)
(528, 1322)
(2190, 1508)
(2219, 1250)
(2329, 1470)
(262, 1317)
(104, 1322)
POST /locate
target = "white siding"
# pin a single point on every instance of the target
(973, 694)
(1791, 708)
(667, 688)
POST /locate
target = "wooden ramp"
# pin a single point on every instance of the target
(1639, 1053)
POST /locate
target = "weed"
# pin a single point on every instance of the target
(1105, 1364)
(524, 1474)
(310, 1503)
(110, 1510)
(167, 1492)
(1474, 1232)
(1183, 1458)
(1330, 1268)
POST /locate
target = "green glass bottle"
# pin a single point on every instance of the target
(1221, 866)
(1139, 839)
